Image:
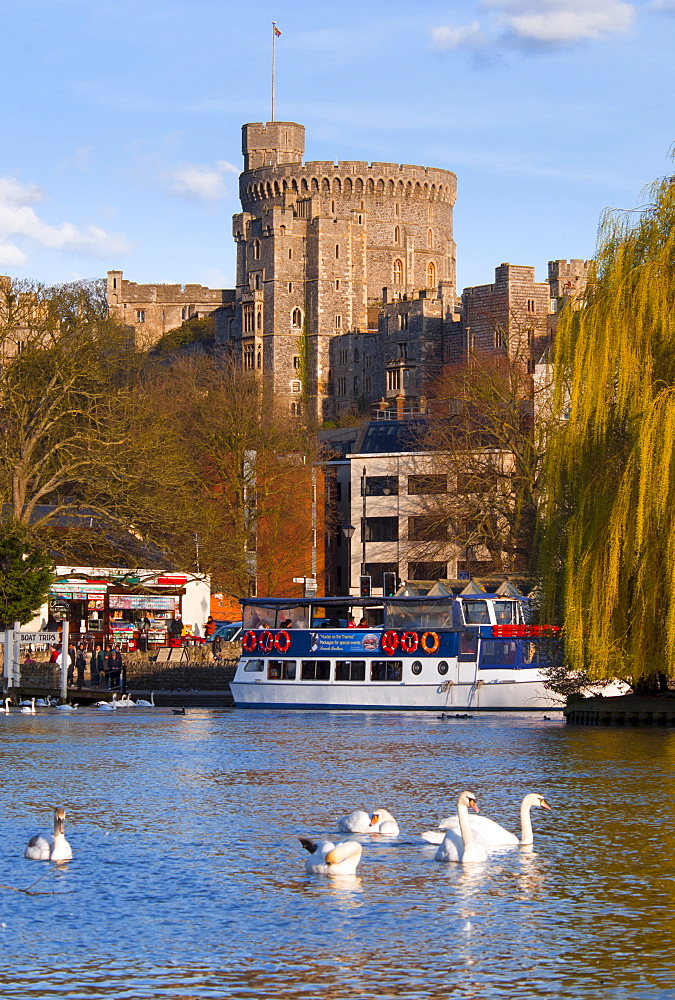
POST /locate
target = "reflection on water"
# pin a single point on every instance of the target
(188, 879)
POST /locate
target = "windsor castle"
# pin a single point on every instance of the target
(345, 291)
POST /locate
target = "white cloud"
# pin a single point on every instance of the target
(198, 182)
(447, 37)
(662, 6)
(542, 23)
(18, 218)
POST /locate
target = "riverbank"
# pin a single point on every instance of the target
(624, 710)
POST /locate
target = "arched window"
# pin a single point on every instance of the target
(398, 272)
(337, 250)
(397, 235)
(430, 239)
(257, 282)
(296, 319)
(259, 319)
(431, 275)
(356, 355)
(256, 250)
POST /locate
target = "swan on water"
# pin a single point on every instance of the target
(144, 703)
(355, 822)
(492, 834)
(50, 847)
(383, 822)
(7, 702)
(28, 707)
(66, 708)
(332, 859)
(106, 706)
(466, 847)
(43, 702)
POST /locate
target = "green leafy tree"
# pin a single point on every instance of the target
(25, 574)
(608, 547)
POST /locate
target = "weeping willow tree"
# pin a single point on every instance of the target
(608, 546)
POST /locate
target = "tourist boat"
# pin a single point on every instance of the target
(450, 653)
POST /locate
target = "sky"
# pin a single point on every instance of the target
(121, 142)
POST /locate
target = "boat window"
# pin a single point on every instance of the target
(468, 647)
(476, 613)
(350, 670)
(505, 612)
(256, 616)
(443, 667)
(386, 670)
(281, 670)
(254, 666)
(498, 652)
(420, 615)
(315, 670)
(539, 652)
(416, 667)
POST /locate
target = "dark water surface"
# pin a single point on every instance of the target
(188, 880)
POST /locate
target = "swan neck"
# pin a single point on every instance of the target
(526, 834)
(464, 824)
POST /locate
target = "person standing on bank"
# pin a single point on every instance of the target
(80, 666)
(70, 677)
(97, 664)
(115, 667)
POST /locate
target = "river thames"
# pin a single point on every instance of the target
(188, 879)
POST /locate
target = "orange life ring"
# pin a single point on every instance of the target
(266, 641)
(435, 642)
(409, 642)
(389, 642)
(249, 642)
(282, 641)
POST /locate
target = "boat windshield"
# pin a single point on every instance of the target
(407, 614)
(276, 616)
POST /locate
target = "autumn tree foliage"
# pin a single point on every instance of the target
(608, 552)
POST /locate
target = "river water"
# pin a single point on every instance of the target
(188, 879)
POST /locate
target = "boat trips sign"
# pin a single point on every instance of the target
(343, 641)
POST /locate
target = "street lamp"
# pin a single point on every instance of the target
(348, 531)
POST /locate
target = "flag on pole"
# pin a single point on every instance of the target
(276, 30)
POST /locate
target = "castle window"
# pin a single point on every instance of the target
(398, 272)
(360, 220)
(530, 367)
(342, 386)
(499, 338)
(296, 409)
(337, 284)
(290, 253)
(530, 337)
(332, 207)
(403, 321)
(296, 319)
(337, 251)
(356, 355)
(256, 250)
(393, 380)
(343, 356)
(430, 239)
(296, 385)
(249, 355)
(290, 286)
(431, 275)
(356, 385)
(398, 209)
(368, 384)
(259, 357)
(140, 315)
(259, 319)
(366, 360)
(257, 282)
(338, 322)
(397, 235)
(114, 282)
(296, 361)
(403, 350)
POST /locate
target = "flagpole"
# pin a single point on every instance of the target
(274, 63)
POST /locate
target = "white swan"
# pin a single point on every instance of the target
(492, 834)
(384, 823)
(43, 703)
(67, 708)
(144, 703)
(48, 847)
(355, 822)
(332, 859)
(7, 702)
(28, 707)
(467, 846)
(106, 706)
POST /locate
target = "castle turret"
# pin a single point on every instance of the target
(272, 143)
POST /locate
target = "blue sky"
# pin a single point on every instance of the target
(121, 138)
